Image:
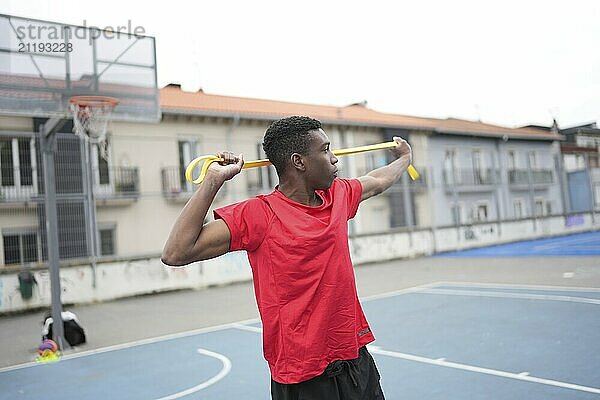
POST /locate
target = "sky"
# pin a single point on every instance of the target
(509, 62)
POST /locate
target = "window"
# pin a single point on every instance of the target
(375, 160)
(579, 161)
(480, 213)
(533, 160)
(540, 208)
(518, 209)
(107, 241)
(264, 178)
(20, 247)
(187, 152)
(450, 173)
(479, 168)
(100, 166)
(512, 160)
(597, 196)
(16, 156)
(456, 212)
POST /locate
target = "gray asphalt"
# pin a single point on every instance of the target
(132, 319)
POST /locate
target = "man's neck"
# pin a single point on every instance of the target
(300, 193)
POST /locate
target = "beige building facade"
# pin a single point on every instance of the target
(140, 190)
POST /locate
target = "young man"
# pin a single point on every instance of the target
(314, 329)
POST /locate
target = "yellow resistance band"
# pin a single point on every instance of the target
(260, 163)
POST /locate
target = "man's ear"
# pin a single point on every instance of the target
(298, 162)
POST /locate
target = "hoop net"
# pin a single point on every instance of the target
(91, 115)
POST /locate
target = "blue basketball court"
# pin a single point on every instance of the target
(581, 244)
(439, 341)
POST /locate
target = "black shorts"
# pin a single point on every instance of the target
(356, 379)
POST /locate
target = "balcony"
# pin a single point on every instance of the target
(11, 196)
(470, 180)
(174, 185)
(117, 183)
(18, 186)
(519, 178)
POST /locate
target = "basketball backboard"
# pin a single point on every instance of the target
(43, 64)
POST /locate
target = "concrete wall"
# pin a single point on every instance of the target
(128, 278)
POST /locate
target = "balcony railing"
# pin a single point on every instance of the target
(174, 184)
(117, 182)
(470, 177)
(17, 184)
(538, 177)
(14, 194)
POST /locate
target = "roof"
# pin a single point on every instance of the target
(586, 129)
(173, 100)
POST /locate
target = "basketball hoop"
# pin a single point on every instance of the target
(91, 115)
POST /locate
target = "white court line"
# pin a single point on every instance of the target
(518, 286)
(247, 328)
(137, 343)
(394, 293)
(523, 376)
(562, 243)
(470, 368)
(224, 371)
(512, 295)
(215, 328)
(190, 333)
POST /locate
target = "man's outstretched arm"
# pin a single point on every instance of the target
(380, 179)
(190, 239)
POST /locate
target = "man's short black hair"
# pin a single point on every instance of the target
(287, 136)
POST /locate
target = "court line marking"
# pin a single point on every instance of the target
(513, 295)
(557, 244)
(394, 293)
(230, 325)
(518, 286)
(136, 343)
(441, 362)
(193, 332)
(247, 328)
(471, 368)
(224, 371)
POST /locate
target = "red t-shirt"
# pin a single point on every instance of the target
(303, 278)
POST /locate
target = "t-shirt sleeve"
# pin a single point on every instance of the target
(353, 193)
(247, 222)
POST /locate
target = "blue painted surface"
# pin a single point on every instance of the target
(581, 244)
(552, 339)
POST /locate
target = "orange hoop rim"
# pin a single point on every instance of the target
(94, 101)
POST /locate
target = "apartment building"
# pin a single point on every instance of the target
(470, 172)
(581, 157)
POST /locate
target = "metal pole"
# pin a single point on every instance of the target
(531, 192)
(456, 212)
(561, 177)
(408, 208)
(430, 187)
(48, 147)
(588, 173)
(92, 223)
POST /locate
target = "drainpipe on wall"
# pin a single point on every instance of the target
(500, 188)
(562, 179)
(349, 166)
(531, 193)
